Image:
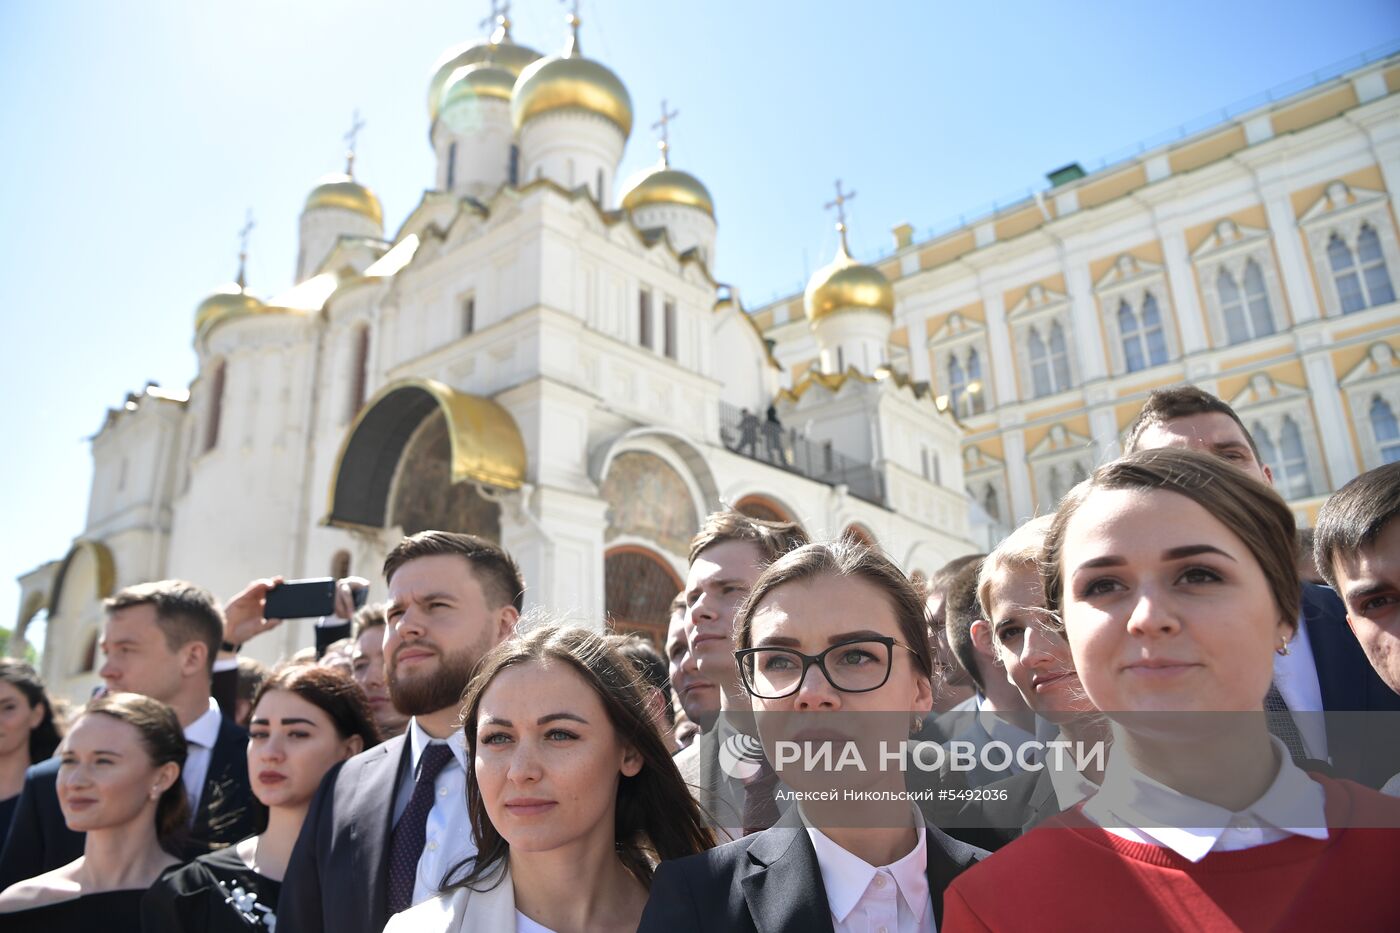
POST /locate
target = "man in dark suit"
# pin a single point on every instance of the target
(771, 882)
(159, 639)
(1324, 668)
(386, 826)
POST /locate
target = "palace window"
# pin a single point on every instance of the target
(451, 165)
(1247, 314)
(1361, 277)
(644, 323)
(468, 315)
(991, 504)
(1049, 361)
(1386, 429)
(668, 328)
(359, 384)
(216, 407)
(1144, 340)
(1285, 457)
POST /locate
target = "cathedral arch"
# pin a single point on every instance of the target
(671, 446)
(483, 446)
(85, 578)
(758, 505)
(640, 585)
(649, 499)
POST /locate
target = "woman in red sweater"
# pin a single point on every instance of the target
(1174, 578)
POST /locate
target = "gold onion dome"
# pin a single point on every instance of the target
(481, 79)
(499, 50)
(661, 184)
(344, 192)
(571, 82)
(230, 300)
(847, 285)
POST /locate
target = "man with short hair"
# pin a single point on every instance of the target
(998, 712)
(367, 667)
(952, 687)
(386, 826)
(698, 697)
(727, 557)
(1324, 668)
(1357, 549)
(159, 640)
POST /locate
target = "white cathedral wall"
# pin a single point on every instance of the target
(321, 227)
(686, 226)
(482, 132)
(862, 337)
(572, 148)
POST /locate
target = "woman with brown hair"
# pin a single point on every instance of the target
(573, 797)
(1173, 575)
(305, 719)
(29, 732)
(118, 782)
(834, 651)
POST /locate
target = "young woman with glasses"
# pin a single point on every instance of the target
(834, 651)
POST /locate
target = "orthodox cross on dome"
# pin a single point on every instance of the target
(573, 47)
(500, 16)
(840, 205)
(243, 248)
(664, 126)
(356, 124)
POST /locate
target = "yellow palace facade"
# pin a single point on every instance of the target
(1256, 258)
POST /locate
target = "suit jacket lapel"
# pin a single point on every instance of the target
(372, 809)
(783, 888)
(1339, 691)
(1043, 803)
(224, 800)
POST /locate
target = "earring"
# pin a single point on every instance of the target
(1282, 649)
(918, 723)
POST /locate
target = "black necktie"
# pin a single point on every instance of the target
(406, 845)
(1281, 723)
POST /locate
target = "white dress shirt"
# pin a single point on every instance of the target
(1070, 785)
(1135, 807)
(200, 737)
(524, 924)
(447, 840)
(865, 899)
(1295, 675)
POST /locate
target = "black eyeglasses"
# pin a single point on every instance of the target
(856, 666)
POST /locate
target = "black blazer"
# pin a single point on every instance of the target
(40, 841)
(990, 824)
(771, 882)
(338, 877)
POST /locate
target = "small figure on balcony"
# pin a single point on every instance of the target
(773, 436)
(748, 433)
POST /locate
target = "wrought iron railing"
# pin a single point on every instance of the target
(752, 435)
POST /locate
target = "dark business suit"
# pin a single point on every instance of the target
(1362, 713)
(40, 840)
(771, 882)
(338, 878)
(990, 824)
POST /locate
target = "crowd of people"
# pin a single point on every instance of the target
(1137, 712)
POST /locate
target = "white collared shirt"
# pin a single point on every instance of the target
(200, 737)
(1070, 785)
(1295, 675)
(865, 899)
(1133, 806)
(447, 839)
(1002, 731)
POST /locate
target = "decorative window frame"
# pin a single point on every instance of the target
(1063, 448)
(1038, 310)
(955, 339)
(1131, 279)
(1231, 246)
(1266, 401)
(1343, 210)
(982, 471)
(1377, 374)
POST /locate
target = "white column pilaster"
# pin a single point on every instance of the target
(1331, 415)
(1088, 333)
(1293, 259)
(1003, 361)
(1018, 473)
(918, 349)
(1185, 298)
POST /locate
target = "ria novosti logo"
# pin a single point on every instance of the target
(741, 756)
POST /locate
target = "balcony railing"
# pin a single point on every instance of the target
(787, 449)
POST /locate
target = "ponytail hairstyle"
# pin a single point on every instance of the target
(164, 742)
(656, 816)
(43, 738)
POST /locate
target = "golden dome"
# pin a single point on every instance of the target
(661, 184)
(569, 82)
(499, 49)
(346, 193)
(482, 79)
(846, 284)
(230, 300)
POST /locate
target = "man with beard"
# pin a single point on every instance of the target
(388, 825)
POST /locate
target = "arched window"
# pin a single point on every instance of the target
(1344, 275)
(668, 329)
(1293, 463)
(957, 382)
(468, 315)
(1386, 430)
(1055, 484)
(359, 375)
(1040, 364)
(1133, 357)
(1231, 307)
(644, 322)
(1059, 357)
(992, 504)
(216, 407)
(1373, 271)
(639, 585)
(1261, 316)
(1152, 331)
(977, 401)
(451, 165)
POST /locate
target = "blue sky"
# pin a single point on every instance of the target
(137, 134)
